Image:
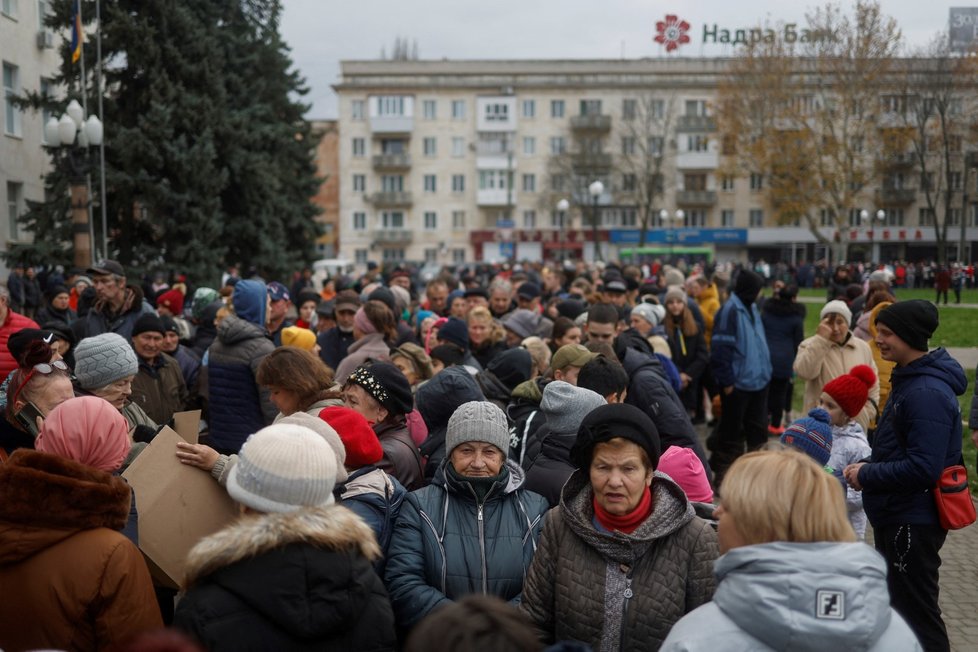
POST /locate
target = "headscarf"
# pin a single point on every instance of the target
(88, 430)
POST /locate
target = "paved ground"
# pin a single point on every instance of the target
(959, 588)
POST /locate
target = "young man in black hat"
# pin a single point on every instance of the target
(917, 437)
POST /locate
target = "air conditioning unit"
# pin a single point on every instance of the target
(45, 39)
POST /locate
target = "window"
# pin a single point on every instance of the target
(558, 182)
(529, 183)
(727, 183)
(496, 112)
(953, 217)
(973, 212)
(388, 146)
(756, 217)
(657, 109)
(392, 183)
(558, 219)
(393, 254)
(392, 220)
(390, 105)
(894, 217)
(628, 145)
(458, 183)
(359, 221)
(656, 144)
(430, 221)
(430, 183)
(458, 109)
(529, 108)
(458, 255)
(47, 91)
(694, 182)
(756, 182)
(529, 145)
(356, 110)
(11, 86)
(529, 219)
(458, 220)
(359, 147)
(590, 107)
(696, 218)
(695, 108)
(14, 201)
(431, 255)
(556, 108)
(925, 217)
(557, 145)
(359, 183)
(9, 8)
(360, 256)
(458, 147)
(955, 180)
(493, 179)
(894, 103)
(629, 217)
(429, 109)
(697, 143)
(628, 109)
(726, 218)
(628, 182)
(430, 146)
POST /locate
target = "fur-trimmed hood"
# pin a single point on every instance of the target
(333, 528)
(45, 499)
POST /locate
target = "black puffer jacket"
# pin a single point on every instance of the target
(296, 581)
(437, 401)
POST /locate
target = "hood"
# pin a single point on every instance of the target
(234, 329)
(512, 367)
(441, 396)
(250, 299)
(530, 391)
(764, 587)
(635, 360)
(938, 364)
(44, 499)
(566, 405)
(493, 387)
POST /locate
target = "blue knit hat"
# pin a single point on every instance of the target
(811, 435)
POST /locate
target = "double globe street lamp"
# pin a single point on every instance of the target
(562, 207)
(596, 189)
(665, 217)
(864, 218)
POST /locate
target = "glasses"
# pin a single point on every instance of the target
(43, 368)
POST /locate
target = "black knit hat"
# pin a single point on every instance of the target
(512, 367)
(615, 420)
(447, 354)
(747, 286)
(912, 321)
(148, 323)
(455, 331)
(387, 384)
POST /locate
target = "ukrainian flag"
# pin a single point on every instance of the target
(76, 31)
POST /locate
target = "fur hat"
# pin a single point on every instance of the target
(104, 359)
(615, 420)
(566, 405)
(912, 321)
(836, 307)
(359, 439)
(811, 435)
(387, 384)
(851, 390)
(478, 421)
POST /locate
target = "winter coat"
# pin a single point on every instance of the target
(918, 436)
(446, 545)
(189, 368)
(487, 352)
(32, 293)
(849, 445)
(437, 400)
(709, 304)
(13, 323)
(815, 596)
(206, 332)
(159, 388)
(101, 320)
(526, 416)
(370, 347)
(739, 356)
(68, 578)
(784, 329)
(649, 391)
(296, 581)
(401, 457)
(884, 368)
(238, 407)
(548, 464)
(616, 591)
(376, 497)
(690, 355)
(48, 314)
(333, 345)
(494, 389)
(820, 360)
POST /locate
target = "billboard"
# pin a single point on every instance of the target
(962, 29)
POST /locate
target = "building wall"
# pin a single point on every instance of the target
(328, 197)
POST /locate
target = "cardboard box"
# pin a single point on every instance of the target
(178, 506)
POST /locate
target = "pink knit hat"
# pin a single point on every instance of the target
(682, 465)
(88, 430)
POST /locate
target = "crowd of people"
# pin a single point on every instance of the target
(593, 457)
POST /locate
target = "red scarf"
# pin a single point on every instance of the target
(630, 521)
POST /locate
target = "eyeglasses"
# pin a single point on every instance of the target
(43, 368)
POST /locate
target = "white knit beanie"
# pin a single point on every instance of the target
(650, 312)
(283, 468)
(103, 359)
(478, 421)
(832, 307)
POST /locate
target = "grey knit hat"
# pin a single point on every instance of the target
(104, 359)
(565, 406)
(283, 468)
(478, 421)
(325, 431)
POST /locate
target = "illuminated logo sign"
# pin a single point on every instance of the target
(671, 32)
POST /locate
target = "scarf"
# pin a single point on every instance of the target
(88, 430)
(629, 522)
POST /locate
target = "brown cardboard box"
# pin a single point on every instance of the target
(178, 506)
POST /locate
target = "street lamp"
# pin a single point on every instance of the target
(75, 132)
(595, 190)
(562, 207)
(864, 218)
(665, 217)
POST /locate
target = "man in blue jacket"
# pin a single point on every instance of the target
(918, 436)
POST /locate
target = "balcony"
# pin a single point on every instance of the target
(392, 161)
(391, 199)
(697, 160)
(495, 197)
(591, 162)
(889, 196)
(393, 236)
(691, 124)
(495, 155)
(696, 198)
(591, 122)
(391, 125)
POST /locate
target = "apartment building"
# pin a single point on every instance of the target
(29, 57)
(460, 161)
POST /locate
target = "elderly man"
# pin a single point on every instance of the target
(158, 387)
(117, 305)
(436, 297)
(501, 298)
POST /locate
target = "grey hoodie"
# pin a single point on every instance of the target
(796, 596)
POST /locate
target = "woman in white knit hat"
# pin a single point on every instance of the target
(294, 572)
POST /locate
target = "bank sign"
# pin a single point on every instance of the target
(963, 29)
(674, 32)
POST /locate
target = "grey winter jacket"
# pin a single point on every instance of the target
(616, 591)
(849, 445)
(804, 597)
(446, 546)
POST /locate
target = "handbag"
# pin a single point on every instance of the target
(953, 498)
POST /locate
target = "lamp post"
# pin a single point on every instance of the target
(665, 217)
(865, 218)
(76, 133)
(595, 190)
(562, 207)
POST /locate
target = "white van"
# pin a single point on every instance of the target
(330, 268)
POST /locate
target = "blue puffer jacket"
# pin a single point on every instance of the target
(739, 356)
(918, 436)
(446, 546)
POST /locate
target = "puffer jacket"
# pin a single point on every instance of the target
(709, 303)
(296, 581)
(437, 401)
(549, 463)
(13, 323)
(849, 445)
(815, 596)
(69, 579)
(376, 497)
(237, 406)
(401, 457)
(99, 320)
(820, 360)
(159, 388)
(918, 436)
(784, 329)
(616, 591)
(446, 545)
(526, 416)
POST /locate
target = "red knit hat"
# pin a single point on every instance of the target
(173, 300)
(851, 390)
(359, 439)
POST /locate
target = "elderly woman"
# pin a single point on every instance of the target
(39, 384)
(784, 535)
(832, 352)
(473, 530)
(623, 557)
(105, 366)
(374, 326)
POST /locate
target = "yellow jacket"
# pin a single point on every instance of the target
(709, 303)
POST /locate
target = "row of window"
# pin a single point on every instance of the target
(396, 220)
(398, 254)
(12, 114)
(631, 108)
(429, 146)
(11, 9)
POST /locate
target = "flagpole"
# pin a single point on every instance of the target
(84, 94)
(101, 114)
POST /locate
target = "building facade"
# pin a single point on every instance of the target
(327, 199)
(461, 161)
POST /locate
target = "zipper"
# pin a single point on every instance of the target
(441, 548)
(624, 605)
(482, 548)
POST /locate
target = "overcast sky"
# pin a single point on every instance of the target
(321, 33)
